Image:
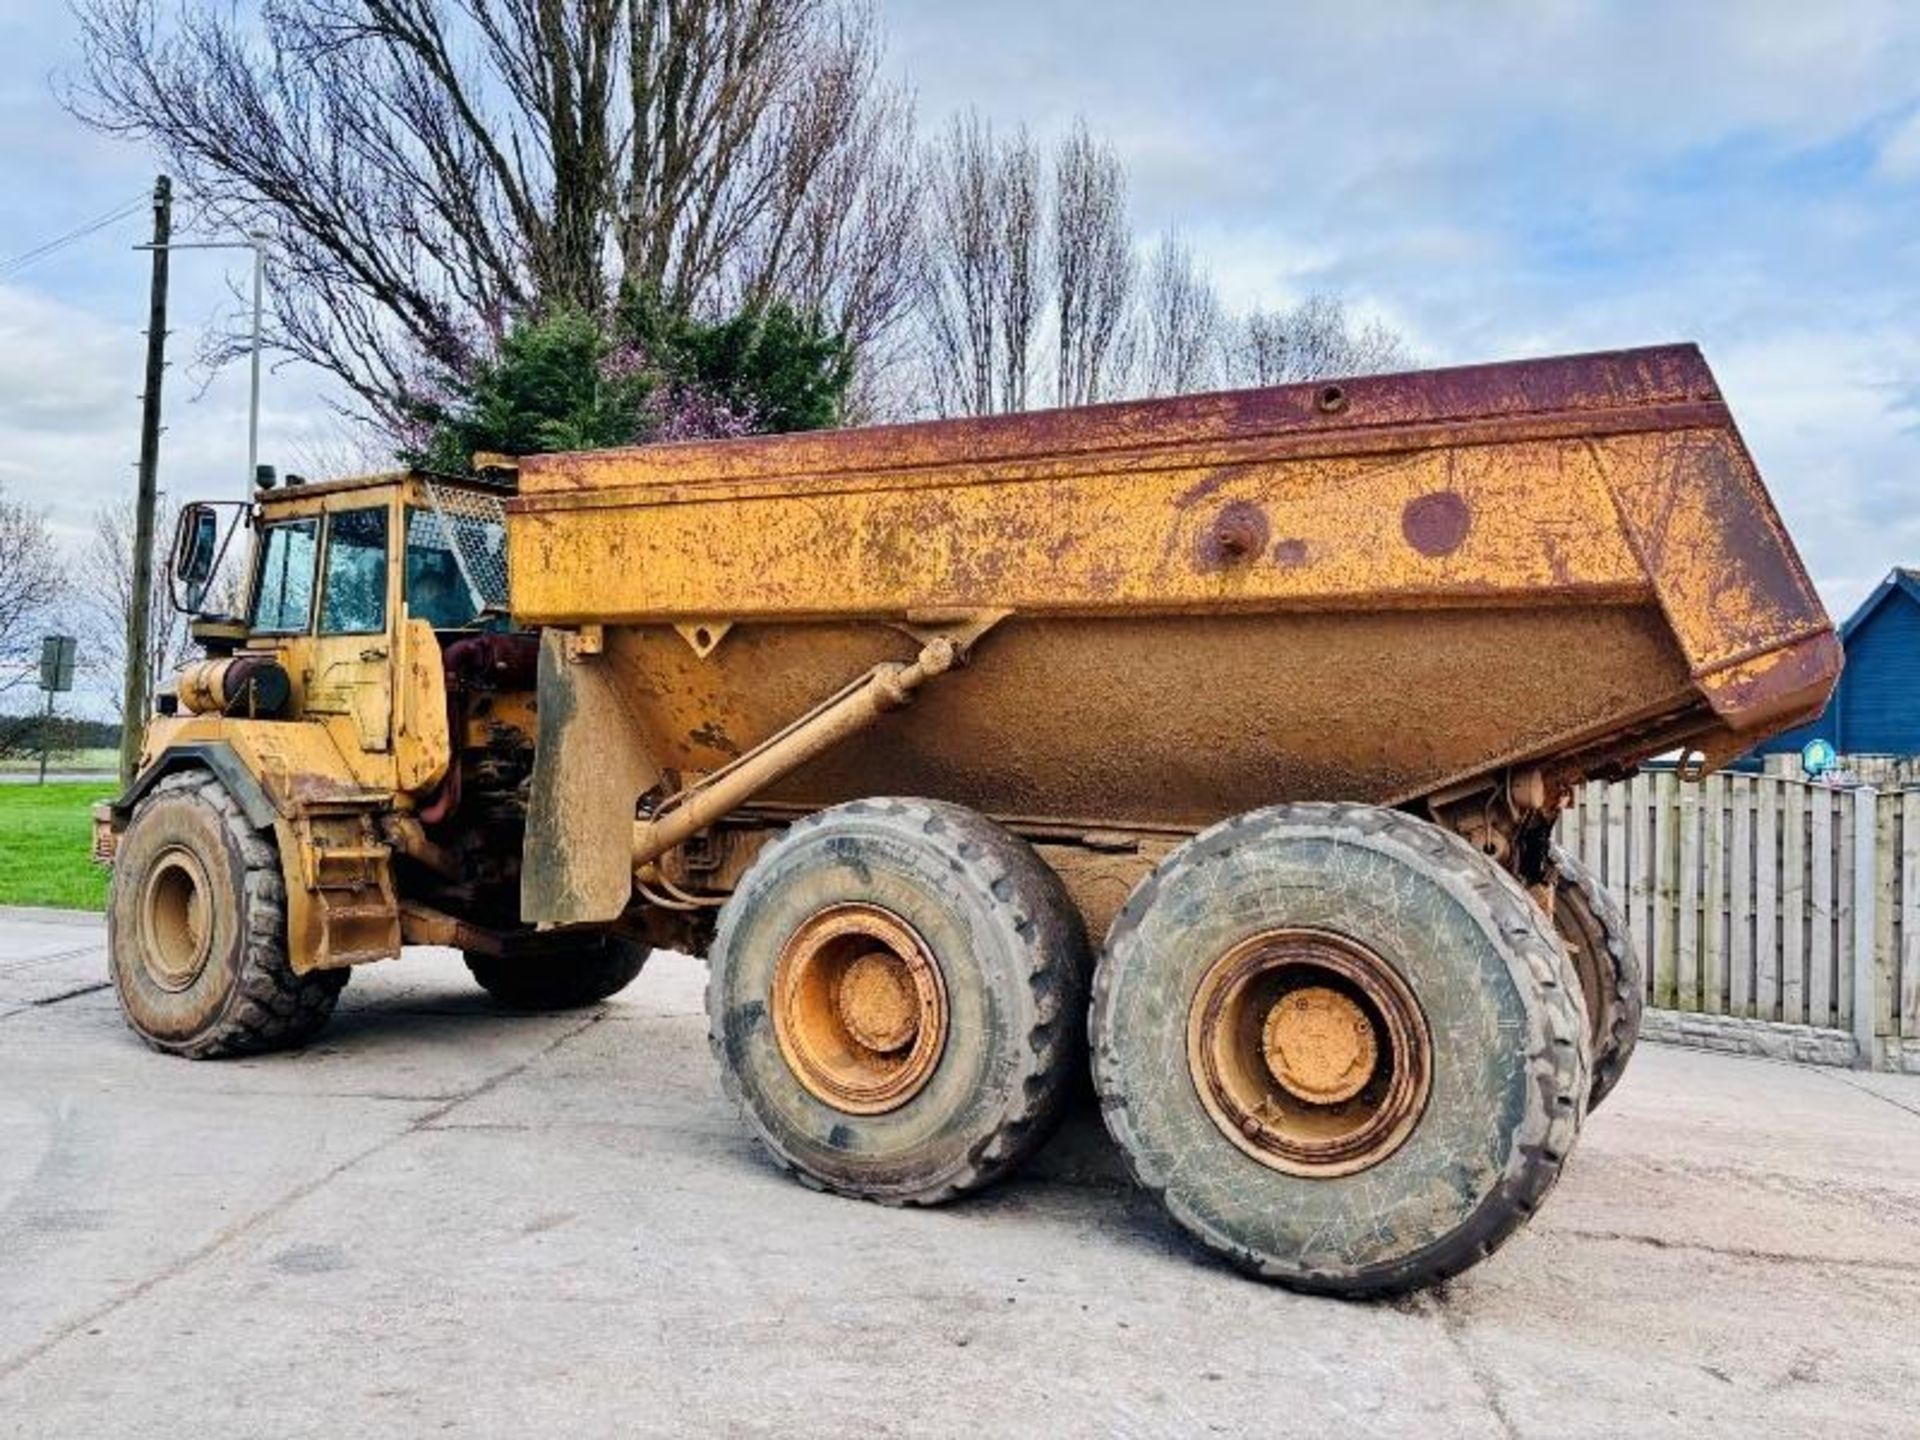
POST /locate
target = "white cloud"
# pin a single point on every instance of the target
(1498, 180)
(70, 413)
(1523, 178)
(1819, 409)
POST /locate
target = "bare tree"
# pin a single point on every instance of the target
(1309, 341)
(1181, 322)
(964, 265)
(1020, 297)
(1004, 236)
(1093, 264)
(853, 254)
(32, 586)
(985, 267)
(106, 594)
(429, 168)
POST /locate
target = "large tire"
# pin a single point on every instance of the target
(994, 958)
(197, 930)
(1613, 980)
(1476, 1092)
(585, 973)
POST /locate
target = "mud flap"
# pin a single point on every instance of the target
(589, 772)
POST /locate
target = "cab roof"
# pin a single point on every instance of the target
(288, 494)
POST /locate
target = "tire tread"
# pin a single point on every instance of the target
(272, 1007)
(1560, 1065)
(1048, 928)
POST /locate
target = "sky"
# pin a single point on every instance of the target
(1495, 180)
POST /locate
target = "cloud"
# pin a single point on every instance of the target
(70, 414)
(1512, 178)
(60, 367)
(1523, 178)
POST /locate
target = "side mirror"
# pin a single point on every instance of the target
(196, 555)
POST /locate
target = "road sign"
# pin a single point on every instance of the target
(56, 663)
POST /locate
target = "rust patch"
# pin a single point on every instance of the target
(1238, 533)
(713, 737)
(1436, 524)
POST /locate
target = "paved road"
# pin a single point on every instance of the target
(445, 1218)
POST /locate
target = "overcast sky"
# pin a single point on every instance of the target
(1495, 181)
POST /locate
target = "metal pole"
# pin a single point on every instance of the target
(253, 402)
(134, 698)
(46, 737)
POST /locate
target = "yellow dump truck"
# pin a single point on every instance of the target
(1218, 740)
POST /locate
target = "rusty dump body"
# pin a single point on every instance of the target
(1391, 589)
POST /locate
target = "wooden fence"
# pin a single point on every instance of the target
(1767, 898)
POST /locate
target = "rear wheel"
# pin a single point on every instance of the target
(197, 929)
(565, 977)
(1341, 1046)
(1613, 981)
(895, 996)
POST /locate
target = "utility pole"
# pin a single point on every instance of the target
(133, 715)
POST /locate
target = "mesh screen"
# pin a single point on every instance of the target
(474, 527)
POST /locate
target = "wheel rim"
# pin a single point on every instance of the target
(860, 1009)
(1309, 1052)
(177, 920)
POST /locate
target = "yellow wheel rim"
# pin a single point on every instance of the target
(859, 1009)
(1309, 1052)
(176, 920)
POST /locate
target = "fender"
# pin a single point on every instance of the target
(214, 755)
(289, 777)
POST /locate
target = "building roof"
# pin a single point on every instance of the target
(1900, 581)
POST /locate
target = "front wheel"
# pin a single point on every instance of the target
(1341, 1045)
(197, 930)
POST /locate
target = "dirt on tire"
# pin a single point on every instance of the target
(245, 998)
(1509, 1071)
(1013, 955)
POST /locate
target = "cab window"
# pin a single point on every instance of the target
(437, 589)
(355, 599)
(283, 600)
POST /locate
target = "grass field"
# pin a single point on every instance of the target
(46, 836)
(69, 762)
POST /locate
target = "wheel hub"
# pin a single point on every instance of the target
(876, 1002)
(1309, 1051)
(178, 930)
(1319, 1045)
(859, 1009)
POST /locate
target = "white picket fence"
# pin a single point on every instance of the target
(1767, 899)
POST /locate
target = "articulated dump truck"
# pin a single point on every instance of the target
(1212, 744)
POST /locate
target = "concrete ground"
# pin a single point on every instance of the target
(447, 1218)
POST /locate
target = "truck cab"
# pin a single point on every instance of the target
(349, 586)
(354, 748)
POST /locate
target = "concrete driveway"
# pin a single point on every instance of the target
(447, 1218)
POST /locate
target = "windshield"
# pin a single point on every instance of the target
(283, 596)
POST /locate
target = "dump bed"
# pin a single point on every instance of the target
(1372, 590)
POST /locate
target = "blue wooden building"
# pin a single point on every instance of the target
(1875, 710)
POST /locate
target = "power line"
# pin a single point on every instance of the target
(17, 263)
